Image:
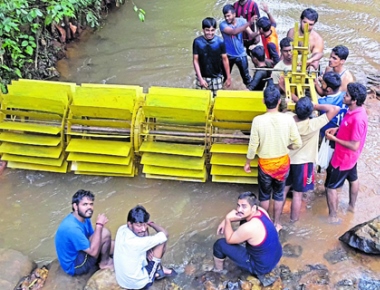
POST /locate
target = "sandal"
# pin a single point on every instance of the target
(160, 274)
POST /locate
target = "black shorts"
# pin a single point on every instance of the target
(270, 187)
(301, 177)
(151, 268)
(84, 263)
(335, 178)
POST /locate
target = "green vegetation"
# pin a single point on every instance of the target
(29, 30)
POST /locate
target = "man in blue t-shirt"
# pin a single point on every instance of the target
(79, 248)
(232, 31)
(210, 58)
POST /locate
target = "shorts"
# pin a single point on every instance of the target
(269, 186)
(214, 84)
(151, 268)
(335, 178)
(301, 177)
(84, 263)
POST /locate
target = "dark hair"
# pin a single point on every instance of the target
(138, 214)
(264, 23)
(332, 80)
(228, 8)
(341, 51)
(250, 197)
(209, 22)
(79, 195)
(285, 42)
(304, 108)
(310, 14)
(258, 52)
(358, 93)
(271, 96)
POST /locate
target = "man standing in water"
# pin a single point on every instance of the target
(210, 58)
(349, 143)
(79, 248)
(262, 249)
(272, 135)
(310, 16)
(232, 30)
(137, 254)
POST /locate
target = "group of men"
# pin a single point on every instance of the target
(136, 255)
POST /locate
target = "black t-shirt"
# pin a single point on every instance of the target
(210, 55)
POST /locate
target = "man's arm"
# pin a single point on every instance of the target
(197, 69)
(254, 142)
(317, 52)
(295, 138)
(234, 237)
(265, 8)
(273, 54)
(96, 238)
(158, 228)
(226, 65)
(331, 110)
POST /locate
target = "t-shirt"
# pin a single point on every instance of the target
(276, 73)
(209, 55)
(271, 134)
(71, 237)
(353, 128)
(234, 43)
(309, 131)
(130, 257)
(259, 79)
(337, 100)
(247, 10)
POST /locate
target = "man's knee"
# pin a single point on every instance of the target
(106, 235)
(218, 248)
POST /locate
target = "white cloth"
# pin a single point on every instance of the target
(130, 257)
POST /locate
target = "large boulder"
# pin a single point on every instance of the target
(14, 265)
(59, 280)
(103, 280)
(364, 237)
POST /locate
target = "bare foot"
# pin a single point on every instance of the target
(334, 220)
(3, 165)
(351, 208)
(278, 227)
(107, 265)
(293, 221)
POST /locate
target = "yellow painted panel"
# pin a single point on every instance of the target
(174, 114)
(99, 135)
(69, 88)
(96, 158)
(51, 92)
(229, 148)
(233, 125)
(231, 159)
(240, 104)
(232, 170)
(174, 171)
(172, 148)
(101, 167)
(175, 161)
(32, 115)
(240, 94)
(186, 102)
(157, 176)
(137, 89)
(99, 112)
(101, 123)
(31, 150)
(234, 179)
(104, 174)
(235, 115)
(33, 104)
(30, 127)
(106, 147)
(180, 92)
(30, 139)
(35, 160)
(30, 166)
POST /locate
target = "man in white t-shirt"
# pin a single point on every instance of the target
(302, 160)
(137, 255)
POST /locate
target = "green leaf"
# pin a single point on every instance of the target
(141, 17)
(18, 73)
(29, 50)
(5, 67)
(135, 8)
(24, 43)
(142, 11)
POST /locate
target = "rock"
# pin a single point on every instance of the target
(346, 284)
(289, 250)
(367, 284)
(270, 278)
(59, 280)
(103, 280)
(315, 277)
(14, 265)
(364, 237)
(336, 256)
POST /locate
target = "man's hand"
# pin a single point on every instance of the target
(220, 230)
(247, 168)
(102, 219)
(203, 83)
(330, 133)
(232, 216)
(227, 84)
(264, 7)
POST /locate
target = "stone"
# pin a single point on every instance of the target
(368, 284)
(103, 280)
(336, 256)
(364, 237)
(293, 251)
(59, 280)
(270, 278)
(315, 277)
(14, 265)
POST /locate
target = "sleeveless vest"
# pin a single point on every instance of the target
(273, 38)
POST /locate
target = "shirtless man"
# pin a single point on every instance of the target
(337, 59)
(262, 249)
(310, 16)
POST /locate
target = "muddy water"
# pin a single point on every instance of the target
(158, 52)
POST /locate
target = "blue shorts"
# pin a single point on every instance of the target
(84, 263)
(335, 178)
(269, 186)
(301, 177)
(151, 268)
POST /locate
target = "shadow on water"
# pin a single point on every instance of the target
(159, 52)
